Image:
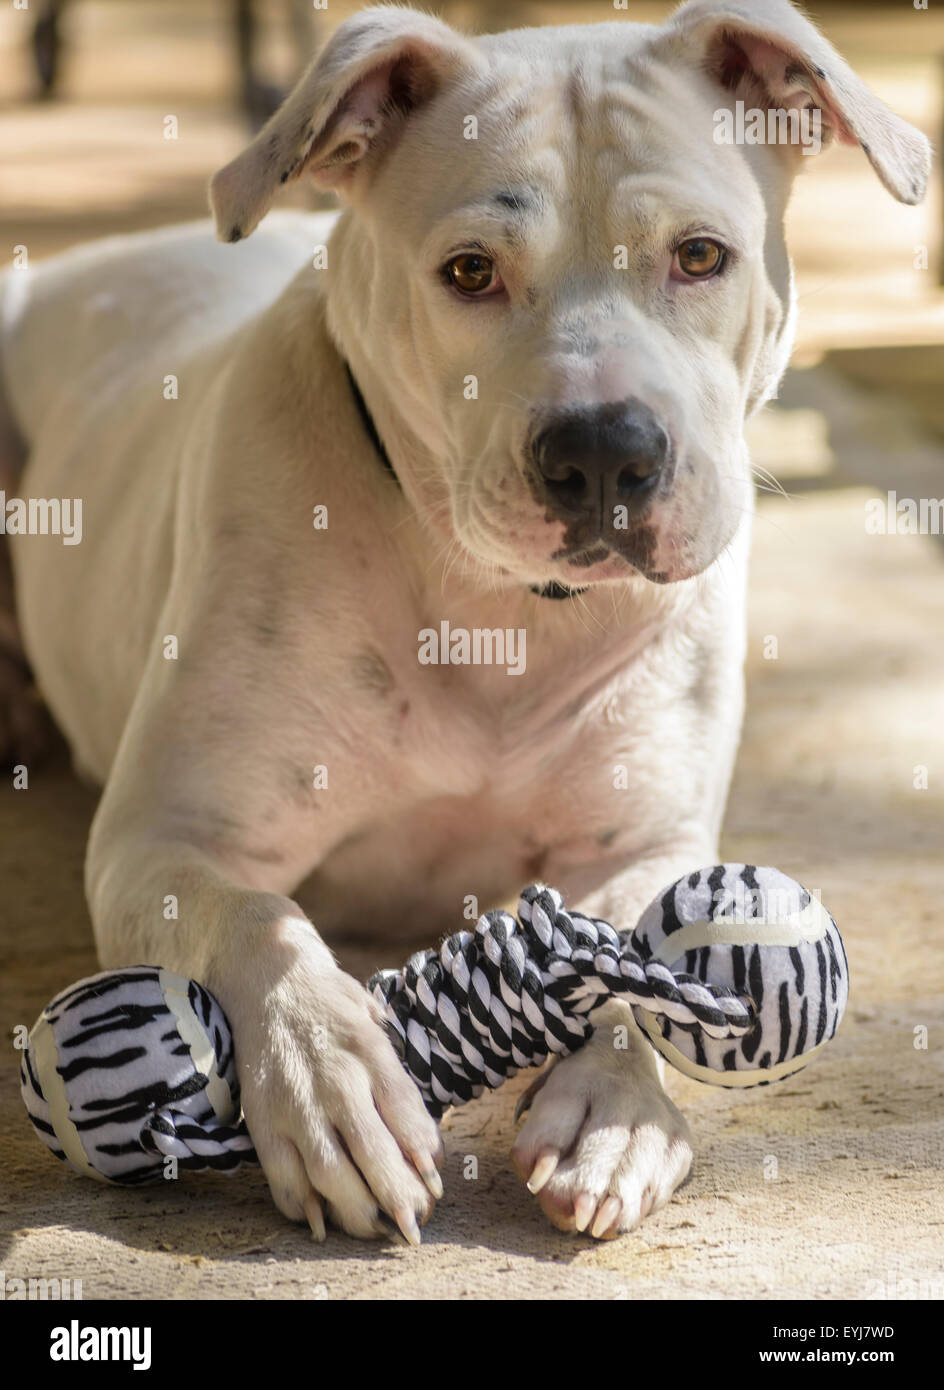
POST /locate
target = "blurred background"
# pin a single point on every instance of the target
(86, 85)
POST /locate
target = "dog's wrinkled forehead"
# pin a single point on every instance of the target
(582, 139)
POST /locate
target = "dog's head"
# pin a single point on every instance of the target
(562, 281)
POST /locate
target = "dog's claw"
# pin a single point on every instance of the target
(584, 1208)
(543, 1170)
(433, 1181)
(315, 1217)
(406, 1220)
(606, 1217)
(428, 1164)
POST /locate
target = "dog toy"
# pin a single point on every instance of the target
(132, 1067)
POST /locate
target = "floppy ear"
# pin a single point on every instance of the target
(768, 54)
(379, 66)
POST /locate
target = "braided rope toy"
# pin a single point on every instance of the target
(737, 975)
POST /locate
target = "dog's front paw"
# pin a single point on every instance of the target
(603, 1146)
(340, 1129)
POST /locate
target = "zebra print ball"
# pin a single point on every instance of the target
(131, 1068)
(759, 933)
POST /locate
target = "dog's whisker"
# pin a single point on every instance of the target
(577, 603)
(517, 396)
(765, 475)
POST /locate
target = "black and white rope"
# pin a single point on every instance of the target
(492, 1001)
(197, 1144)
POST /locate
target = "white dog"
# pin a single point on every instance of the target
(520, 373)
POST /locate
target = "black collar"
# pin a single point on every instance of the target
(553, 590)
(367, 420)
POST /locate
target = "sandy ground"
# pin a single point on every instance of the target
(827, 1186)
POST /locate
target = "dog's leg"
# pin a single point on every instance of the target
(603, 1145)
(179, 858)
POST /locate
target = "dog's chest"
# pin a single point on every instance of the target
(484, 734)
(483, 782)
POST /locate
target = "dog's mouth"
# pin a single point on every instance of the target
(574, 571)
(578, 568)
(604, 561)
(586, 558)
(546, 553)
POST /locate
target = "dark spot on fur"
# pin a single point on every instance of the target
(299, 784)
(533, 866)
(820, 72)
(236, 234)
(582, 344)
(702, 682)
(220, 833)
(866, 148)
(372, 673)
(606, 837)
(521, 200)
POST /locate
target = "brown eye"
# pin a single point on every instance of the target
(473, 273)
(699, 258)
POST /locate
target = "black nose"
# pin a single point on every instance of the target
(589, 461)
